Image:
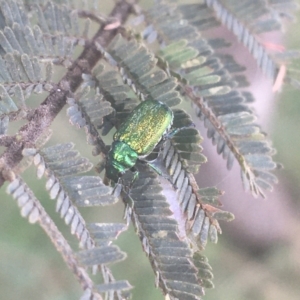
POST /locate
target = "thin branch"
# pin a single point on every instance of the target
(52, 105)
(6, 140)
(95, 17)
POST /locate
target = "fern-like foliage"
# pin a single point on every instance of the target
(170, 256)
(177, 156)
(245, 19)
(62, 166)
(225, 112)
(102, 67)
(31, 208)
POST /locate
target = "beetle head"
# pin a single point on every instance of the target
(120, 158)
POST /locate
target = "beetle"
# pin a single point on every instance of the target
(147, 124)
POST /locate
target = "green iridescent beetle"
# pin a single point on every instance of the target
(144, 128)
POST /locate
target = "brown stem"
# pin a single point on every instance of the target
(52, 105)
(95, 17)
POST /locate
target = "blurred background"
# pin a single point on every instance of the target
(258, 254)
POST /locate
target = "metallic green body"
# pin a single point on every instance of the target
(138, 136)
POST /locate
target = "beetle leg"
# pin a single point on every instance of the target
(120, 187)
(169, 135)
(158, 166)
(129, 201)
(135, 176)
(117, 188)
(160, 173)
(128, 211)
